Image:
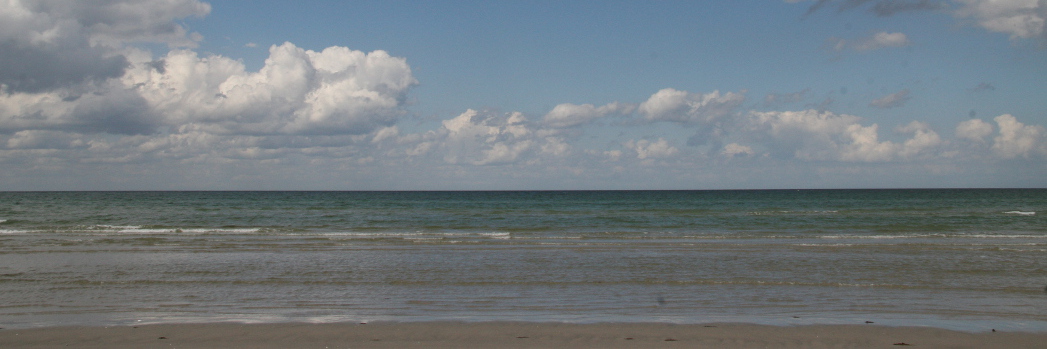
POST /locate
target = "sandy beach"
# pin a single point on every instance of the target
(509, 335)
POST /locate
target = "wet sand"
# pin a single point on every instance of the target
(509, 335)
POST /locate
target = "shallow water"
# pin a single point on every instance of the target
(962, 259)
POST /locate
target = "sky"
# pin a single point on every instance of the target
(522, 95)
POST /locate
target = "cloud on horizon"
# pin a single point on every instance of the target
(89, 101)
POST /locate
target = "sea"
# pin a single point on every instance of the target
(966, 259)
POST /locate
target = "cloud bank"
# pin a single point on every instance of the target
(78, 96)
(45, 45)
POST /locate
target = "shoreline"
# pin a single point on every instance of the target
(509, 335)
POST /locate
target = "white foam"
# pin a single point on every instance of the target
(1021, 213)
(12, 232)
(1010, 236)
(824, 245)
(406, 235)
(878, 236)
(361, 235)
(919, 236)
(3, 221)
(137, 230)
(816, 212)
(147, 231)
(117, 227)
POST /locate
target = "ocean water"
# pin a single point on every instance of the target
(962, 259)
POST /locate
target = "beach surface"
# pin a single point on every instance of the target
(509, 335)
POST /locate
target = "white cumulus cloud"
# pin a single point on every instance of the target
(1017, 139)
(298, 91)
(568, 115)
(75, 89)
(974, 130)
(69, 66)
(487, 138)
(826, 136)
(689, 108)
(735, 149)
(106, 107)
(646, 149)
(1018, 18)
(50, 44)
(923, 141)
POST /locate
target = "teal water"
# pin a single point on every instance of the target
(963, 259)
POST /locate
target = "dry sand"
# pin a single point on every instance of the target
(509, 335)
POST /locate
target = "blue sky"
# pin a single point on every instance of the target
(361, 95)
